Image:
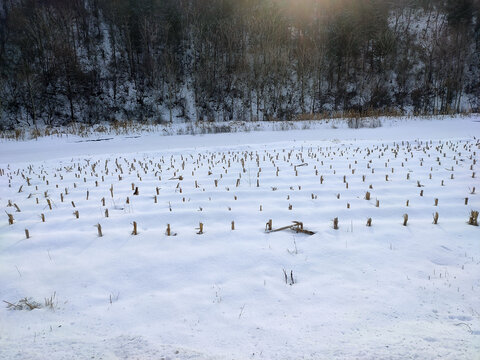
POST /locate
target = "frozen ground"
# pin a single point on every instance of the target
(382, 292)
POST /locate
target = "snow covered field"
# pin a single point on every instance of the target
(386, 291)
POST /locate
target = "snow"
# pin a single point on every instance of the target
(386, 291)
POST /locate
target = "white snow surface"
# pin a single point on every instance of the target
(382, 292)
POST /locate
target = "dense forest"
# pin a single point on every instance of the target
(191, 60)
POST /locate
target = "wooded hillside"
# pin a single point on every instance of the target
(165, 60)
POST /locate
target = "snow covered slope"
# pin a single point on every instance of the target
(356, 292)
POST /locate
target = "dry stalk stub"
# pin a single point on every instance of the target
(10, 219)
(268, 225)
(335, 223)
(99, 230)
(473, 220)
(200, 229)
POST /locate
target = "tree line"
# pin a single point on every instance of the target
(162, 60)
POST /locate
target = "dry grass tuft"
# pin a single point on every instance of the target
(23, 304)
(51, 302)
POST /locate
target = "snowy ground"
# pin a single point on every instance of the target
(382, 292)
